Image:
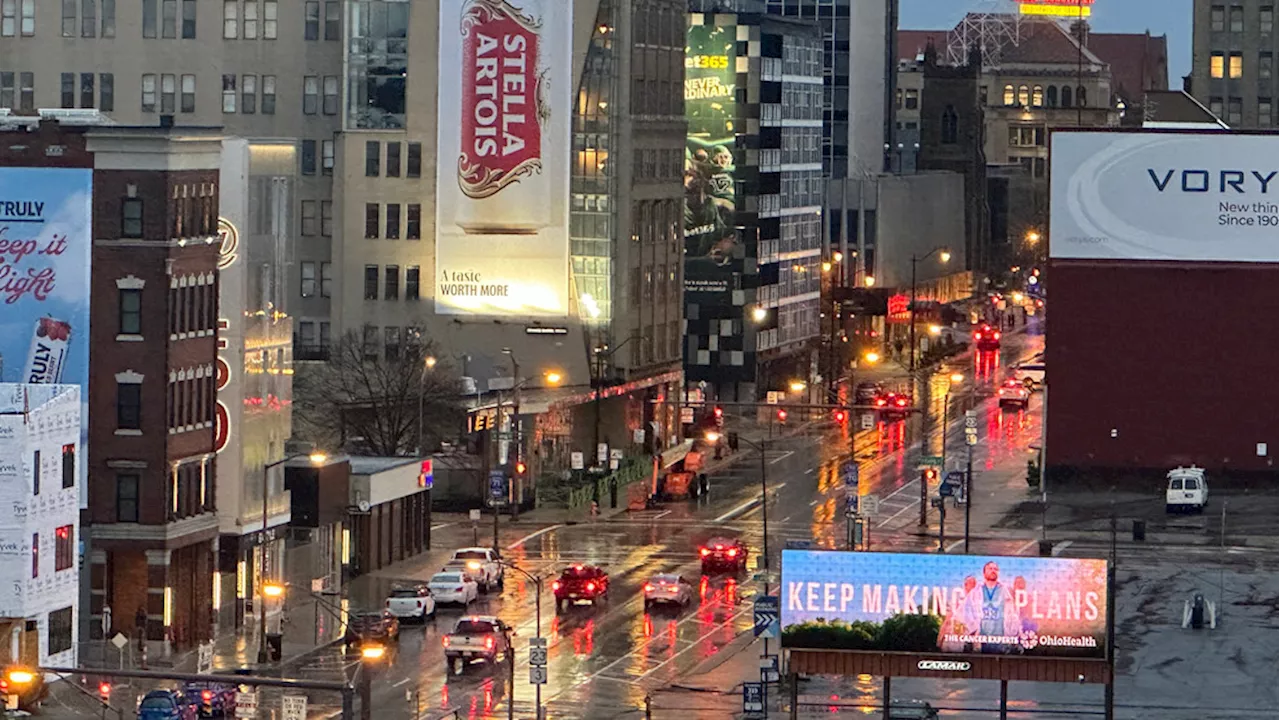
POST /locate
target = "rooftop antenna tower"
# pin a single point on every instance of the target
(993, 25)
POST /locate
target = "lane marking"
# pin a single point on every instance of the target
(717, 629)
(809, 471)
(442, 526)
(748, 505)
(661, 515)
(402, 682)
(1024, 548)
(954, 545)
(894, 516)
(815, 502)
(783, 456)
(1061, 546)
(531, 536)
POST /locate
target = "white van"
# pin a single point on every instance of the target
(1187, 490)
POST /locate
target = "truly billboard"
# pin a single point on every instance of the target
(710, 159)
(46, 244)
(1175, 196)
(502, 182)
(937, 603)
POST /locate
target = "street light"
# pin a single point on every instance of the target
(317, 459)
(370, 655)
(1033, 237)
(872, 357)
(759, 313)
(797, 386)
(945, 256)
(869, 281)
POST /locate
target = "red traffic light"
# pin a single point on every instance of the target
(104, 690)
(782, 415)
(840, 416)
(931, 474)
(520, 468)
(719, 411)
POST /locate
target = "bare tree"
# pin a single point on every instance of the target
(367, 402)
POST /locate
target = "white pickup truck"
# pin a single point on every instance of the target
(477, 638)
(481, 564)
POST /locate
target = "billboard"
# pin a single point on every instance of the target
(1195, 197)
(937, 603)
(45, 249)
(502, 180)
(1057, 8)
(710, 160)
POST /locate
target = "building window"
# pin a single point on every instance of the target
(1217, 18)
(377, 66)
(130, 312)
(1235, 65)
(168, 94)
(28, 26)
(1037, 96)
(59, 639)
(63, 547)
(188, 19)
(88, 18)
(1266, 64)
(330, 94)
(149, 18)
(371, 223)
(169, 19)
(228, 93)
(268, 94)
(393, 159)
(1235, 111)
(326, 290)
(392, 275)
(391, 341)
(8, 18)
(310, 94)
(1066, 96)
(411, 282)
(393, 221)
(35, 555)
(106, 92)
(950, 125)
(326, 157)
(68, 18)
(1265, 118)
(308, 157)
(1215, 106)
(249, 94)
(1237, 18)
(372, 158)
(1008, 95)
(86, 90)
(308, 218)
(35, 472)
(128, 406)
(6, 90)
(370, 282)
(68, 90)
(912, 99)
(230, 19)
(326, 218)
(1024, 96)
(148, 93)
(270, 19)
(188, 94)
(68, 465)
(413, 222)
(1266, 19)
(127, 498)
(413, 167)
(250, 20)
(311, 21)
(1081, 98)
(308, 279)
(131, 218)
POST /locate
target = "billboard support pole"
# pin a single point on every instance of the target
(888, 695)
(968, 497)
(1109, 690)
(1004, 700)
(794, 679)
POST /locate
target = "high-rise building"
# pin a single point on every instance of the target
(1233, 56)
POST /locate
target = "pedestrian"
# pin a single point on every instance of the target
(140, 622)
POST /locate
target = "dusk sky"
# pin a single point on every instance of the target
(1161, 17)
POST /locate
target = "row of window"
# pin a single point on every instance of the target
(1219, 17)
(1026, 136)
(241, 19)
(18, 91)
(192, 396)
(317, 218)
(307, 158)
(1222, 64)
(373, 166)
(190, 493)
(374, 229)
(313, 282)
(192, 308)
(661, 283)
(391, 282)
(1234, 107)
(81, 18)
(73, 91)
(656, 164)
(312, 334)
(43, 466)
(64, 552)
(391, 339)
(1039, 96)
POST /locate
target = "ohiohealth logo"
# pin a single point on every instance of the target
(1193, 180)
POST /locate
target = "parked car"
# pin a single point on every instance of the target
(667, 589)
(213, 699)
(167, 705)
(477, 638)
(1030, 373)
(912, 710)
(580, 583)
(720, 554)
(413, 602)
(381, 628)
(1187, 490)
(453, 586)
(483, 564)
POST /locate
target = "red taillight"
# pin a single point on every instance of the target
(902, 402)
(459, 589)
(591, 587)
(445, 641)
(705, 552)
(880, 402)
(997, 336)
(206, 695)
(488, 643)
(977, 336)
(648, 587)
(733, 552)
(419, 603)
(4, 684)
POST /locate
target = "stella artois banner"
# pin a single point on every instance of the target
(502, 212)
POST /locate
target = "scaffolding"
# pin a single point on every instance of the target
(994, 26)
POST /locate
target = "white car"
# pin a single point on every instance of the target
(412, 602)
(1014, 392)
(1030, 373)
(666, 589)
(454, 586)
(482, 564)
(1187, 490)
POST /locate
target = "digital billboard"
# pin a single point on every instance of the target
(45, 249)
(710, 159)
(502, 180)
(1057, 8)
(1177, 196)
(937, 603)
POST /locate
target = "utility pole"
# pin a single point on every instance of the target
(968, 497)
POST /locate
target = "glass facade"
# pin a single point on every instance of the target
(377, 64)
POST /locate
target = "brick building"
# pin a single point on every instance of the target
(151, 526)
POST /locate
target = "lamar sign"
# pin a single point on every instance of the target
(944, 665)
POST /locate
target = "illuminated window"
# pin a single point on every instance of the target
(64, 547)
(1024, 95)
(1037, 96)
(1008, 94)
(1235, 66)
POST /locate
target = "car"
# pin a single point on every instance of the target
(580, 583)
(1014, 393)
(894, 404)
(26, 684)
(212, 699)
(1030, 373)
(483, 564)
(167, 705)
(1187, 490)
(720, 554)
(477, 638)
(380, 628)
(453, 586)
(912, 710)
(867, 392)
(667, 589)
(986, 338)
(412, 602)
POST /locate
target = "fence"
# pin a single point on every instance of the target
(580, 495)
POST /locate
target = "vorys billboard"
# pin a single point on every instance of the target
(1163, 196)
(710, 163)
(502, 181)
(1048, 607)
(45, 249)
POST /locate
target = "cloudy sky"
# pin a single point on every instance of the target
(1161, 17)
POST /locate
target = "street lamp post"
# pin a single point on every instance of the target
(602, 352)
(317, 458)
(515, 430)
(370, 655)
(428, 363)
(537, 619)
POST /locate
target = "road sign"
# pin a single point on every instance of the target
(204, 659)
(798, 544)
(577, 461)
(686, 416)
(771, 397)
(867, 421)
(768, 620)
(931, 460)
(970, 419)
(119, 640)
(293, 707)
(851, 504)
(246, 704)
(474, 515)
(497, 485)
(851, 477)
(538, 656)
(752, 697)
(870, 505)
(537, 674)
(602, 453)
(769, 669)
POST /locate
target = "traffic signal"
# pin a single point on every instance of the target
(841, 416)
(931, 475)
(718, 412)
(104, 691)
(782, 415)
(520, 469)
